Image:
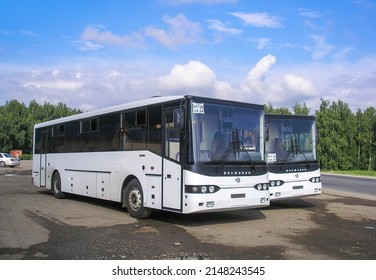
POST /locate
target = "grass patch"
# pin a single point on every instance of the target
(371, 173)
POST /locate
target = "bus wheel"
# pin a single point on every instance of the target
(56, 186)
(135, 200)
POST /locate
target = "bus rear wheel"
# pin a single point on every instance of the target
(135, 200)
(56, 186)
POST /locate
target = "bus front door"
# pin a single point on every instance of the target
(43, 159)
(172, 183)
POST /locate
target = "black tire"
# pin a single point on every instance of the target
(2, 164)
(134, 200)
(56, 186)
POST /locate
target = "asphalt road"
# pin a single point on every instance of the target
(358, 185)
(35, 225)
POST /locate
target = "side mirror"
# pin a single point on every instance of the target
(178, 118)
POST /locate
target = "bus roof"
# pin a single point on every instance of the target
(134, 104)
(116, 108)
(283, 116)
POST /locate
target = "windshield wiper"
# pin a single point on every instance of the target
(295, 150)
(237, 147)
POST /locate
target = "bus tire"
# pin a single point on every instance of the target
(56, 186)
(135, 200)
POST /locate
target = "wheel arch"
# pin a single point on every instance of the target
(123, 188)
(52, 177)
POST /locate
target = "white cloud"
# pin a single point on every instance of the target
(298, 85)
(88, 46)
(222, 27)
(78, 74)
(55, 73)
(320, 48)
(99, 85)
(56, 85)
(29, 33)
(259, 19)
(365, 4)
(196, 78)
(94, 38)
(281, 89)
(35, 72)
(180, 31)
(191, 76)
(256, 88)
(312, 14)
(342, 53)
(261, 68)
(262, 43)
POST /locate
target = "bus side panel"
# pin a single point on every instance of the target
(102, 174)
(88, 174)
(151, 165)
(103, 184)
(81, 182)
(153, 192)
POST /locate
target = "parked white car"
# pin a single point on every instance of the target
(8, 160)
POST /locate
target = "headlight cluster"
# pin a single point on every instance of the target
(201, 189)
(315, 180)
(262, 187)
(276, 183)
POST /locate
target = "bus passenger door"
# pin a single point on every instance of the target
(43, 158)
(172, 183)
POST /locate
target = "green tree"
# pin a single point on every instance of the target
(269, 109)
(325, 149)
(299, 109)
(17, 122)
(13, 126)
(365, 138)
(346, 139)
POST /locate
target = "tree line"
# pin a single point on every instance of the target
(346, 139)
(17, 122)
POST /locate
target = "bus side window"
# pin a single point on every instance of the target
(172, 139)
(154, 126)
(108, 132)
(133, 136)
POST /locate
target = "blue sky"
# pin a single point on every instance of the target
(93, 54)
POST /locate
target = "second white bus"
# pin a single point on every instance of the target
(291, 156)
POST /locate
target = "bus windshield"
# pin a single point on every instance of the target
(291, 139)
(225, 133)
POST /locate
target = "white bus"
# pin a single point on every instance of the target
(184, 154)
(291, 156)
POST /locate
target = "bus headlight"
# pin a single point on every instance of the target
(262, 186)
(201, 189)
(276, 183)
(315, 180)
